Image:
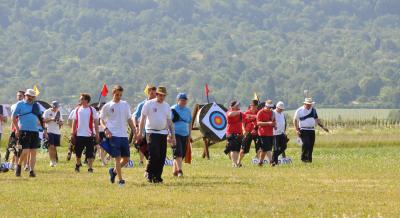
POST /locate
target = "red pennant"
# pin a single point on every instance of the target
(207, 90)
(104, 90)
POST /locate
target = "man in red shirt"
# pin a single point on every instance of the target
(266, 123)
(234, 131)
(250, 128)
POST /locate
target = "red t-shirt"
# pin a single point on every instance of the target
(265, 116)
(234, 125)
(250, 120)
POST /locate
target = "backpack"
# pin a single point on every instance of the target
(37, 112)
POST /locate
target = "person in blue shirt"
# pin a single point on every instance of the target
(141, 146)
(182, 119)
(27, 131)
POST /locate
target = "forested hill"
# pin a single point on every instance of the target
(346, 52)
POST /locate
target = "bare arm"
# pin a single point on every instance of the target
(141, 125)
(15, 124)
(131, 124)
(171, 129)
(234, 113)
(73, 127)
(319, 122)
(269, 123)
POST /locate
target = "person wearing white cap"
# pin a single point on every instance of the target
(280, 138)
(305, 119)
(52, 118)
(26, 116)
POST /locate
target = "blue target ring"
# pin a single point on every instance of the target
(217, 120)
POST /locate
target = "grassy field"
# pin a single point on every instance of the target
(354, 174)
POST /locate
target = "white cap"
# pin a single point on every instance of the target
(280, 105)
(30, 92)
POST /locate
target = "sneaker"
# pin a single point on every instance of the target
(69, 156)
(77, 167)
(90, 170)
(52, 164)
(239, 165)
(18, 171)
(112, 175)
(32, 174)
(121, 183)
(180, 173)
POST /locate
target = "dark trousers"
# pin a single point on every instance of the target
(280, 146)
(308, 138)
(157, 153)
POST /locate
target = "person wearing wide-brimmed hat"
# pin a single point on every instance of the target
(53, 119)
(26, 116)
(141, 144)
(157, 122)
(305, 119)
(280, 138)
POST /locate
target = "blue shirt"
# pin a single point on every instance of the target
(138, 110)
(27, 121)
(182, 126)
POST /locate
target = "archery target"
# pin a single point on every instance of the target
(214, 121)
(218, 120)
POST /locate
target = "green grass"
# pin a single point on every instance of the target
(345, 179)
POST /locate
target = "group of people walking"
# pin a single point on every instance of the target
(153, 125)
(266, 127)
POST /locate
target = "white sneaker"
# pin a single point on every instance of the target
(52, 164)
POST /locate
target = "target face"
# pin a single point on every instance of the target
(217, 120)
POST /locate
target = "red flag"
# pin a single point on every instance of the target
(207, 90)
(104, 90)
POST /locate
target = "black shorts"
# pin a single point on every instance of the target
(234, 143)
(266, 143)
(54, 139)
(29, 140)
(82, 143)
(180, 149)
(280, 142)
(246, 143)
(102, 136)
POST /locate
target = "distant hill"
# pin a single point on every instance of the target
(347, 53)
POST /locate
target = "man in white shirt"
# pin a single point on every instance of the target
(156, 114)
(304, 121)
(85, 128)
(52, 118)
(280, 142)
(115, 115)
